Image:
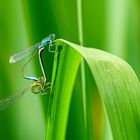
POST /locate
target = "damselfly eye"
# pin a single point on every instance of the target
(52, 36)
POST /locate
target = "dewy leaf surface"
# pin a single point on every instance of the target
(116, 81)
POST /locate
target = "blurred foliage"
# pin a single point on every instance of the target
(109, 25)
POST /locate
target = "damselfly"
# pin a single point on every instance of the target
(21, 55)
(37, 87)
(48, 41)
(40, 85)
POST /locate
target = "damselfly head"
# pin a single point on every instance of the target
(52, 37)
(36, 88)
(48, 40)
(39, 86)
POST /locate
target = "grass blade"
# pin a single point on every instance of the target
(118, 85)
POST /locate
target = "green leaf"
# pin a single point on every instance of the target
(116, 81)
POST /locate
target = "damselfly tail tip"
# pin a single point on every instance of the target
(12, 59)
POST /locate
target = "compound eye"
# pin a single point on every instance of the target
(36, 88)
(52, 36)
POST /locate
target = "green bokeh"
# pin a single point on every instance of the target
(109, 25)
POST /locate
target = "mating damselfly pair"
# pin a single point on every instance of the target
(39, 85)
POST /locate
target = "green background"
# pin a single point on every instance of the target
(112, 26)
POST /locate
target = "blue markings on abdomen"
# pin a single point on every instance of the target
(31, 78)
